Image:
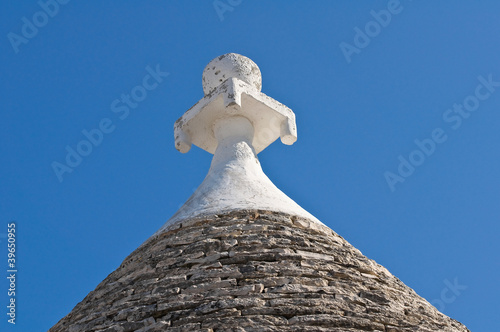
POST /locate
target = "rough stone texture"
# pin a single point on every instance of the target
(252, 271)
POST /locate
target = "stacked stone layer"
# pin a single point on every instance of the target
(252, 271)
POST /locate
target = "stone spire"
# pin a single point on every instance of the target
(235, 121)
(240, 255)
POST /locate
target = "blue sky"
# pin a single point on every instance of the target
(366, 80)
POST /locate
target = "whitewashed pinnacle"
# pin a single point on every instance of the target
(235, 121)
(232, 85)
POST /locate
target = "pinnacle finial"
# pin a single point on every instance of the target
(232, 84)
(235, 121)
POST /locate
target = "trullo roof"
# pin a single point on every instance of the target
(240, 255)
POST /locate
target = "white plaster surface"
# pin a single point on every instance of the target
(235, 97)
(235, 121)
(231, 65)
(235, 179)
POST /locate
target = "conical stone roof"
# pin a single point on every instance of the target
(240, 255)
(252, 271)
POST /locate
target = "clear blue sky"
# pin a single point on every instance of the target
(362, 91)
